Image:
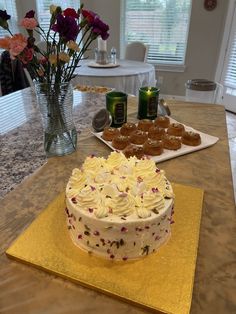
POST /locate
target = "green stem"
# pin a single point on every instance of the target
(76, 56)
(56, 113)
(88, 41)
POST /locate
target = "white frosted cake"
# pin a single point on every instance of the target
(119, 208)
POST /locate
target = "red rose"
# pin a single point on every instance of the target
(70, 12)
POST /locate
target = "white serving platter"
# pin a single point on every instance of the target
(92, 89)
(108, 65)
(206, 141)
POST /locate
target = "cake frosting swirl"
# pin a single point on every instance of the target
(109, 195)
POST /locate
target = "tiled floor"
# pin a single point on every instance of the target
(231, 125)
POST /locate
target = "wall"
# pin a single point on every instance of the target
(205, 34)
(109, 12)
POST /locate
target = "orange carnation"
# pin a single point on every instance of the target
(5, 43)
(17, 45)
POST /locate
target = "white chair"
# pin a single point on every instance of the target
(136, 51)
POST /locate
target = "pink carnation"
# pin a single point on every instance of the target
(29, 23)
(17, 45)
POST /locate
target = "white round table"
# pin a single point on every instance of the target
(128, 77)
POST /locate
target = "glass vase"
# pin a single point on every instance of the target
(56, 106)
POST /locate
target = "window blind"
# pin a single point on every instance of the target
(10, 7)
(43, 10)
(230, 78)
(161, 24)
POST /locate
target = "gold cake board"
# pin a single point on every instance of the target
(162, 281)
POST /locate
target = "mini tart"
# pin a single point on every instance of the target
(175, 129)
(127, 128)
(109, 132)
(133, 150)
(145, 125)
(171, 142)
(156, 133)
(153, 147)
(191, 138)
(162, 122)
(120, 141)
(138, 137)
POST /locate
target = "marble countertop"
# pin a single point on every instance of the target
(27, 290)
(21, 133)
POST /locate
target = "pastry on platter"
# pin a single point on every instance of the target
(153, 147)
(138, 137)
(162, 121)
(110, 132)
(171, 142)
(120, 141)
(156, 133)
(191, 138)
(175, 129)
(127, 128)
(145, 124)
(133, 150)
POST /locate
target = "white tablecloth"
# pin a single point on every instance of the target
(128, 77)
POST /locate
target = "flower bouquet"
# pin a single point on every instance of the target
(52, 67)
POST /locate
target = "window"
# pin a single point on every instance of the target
(230, 78)
(10, 7)
(43, 10)
(161, 24)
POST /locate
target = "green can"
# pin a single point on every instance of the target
(148, 102)
(116, 104)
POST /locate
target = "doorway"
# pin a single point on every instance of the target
(226, 70)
